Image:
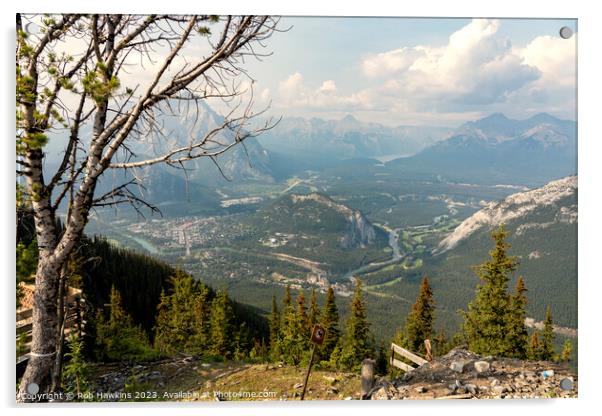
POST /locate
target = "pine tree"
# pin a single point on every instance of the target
(356, 345)
(534, 351)
(486, 321)
(302, 316)
(419, 323)
(287, 300)
(117, 338)
(314, 309)
(547, 338)
(567, 350)
(76, 368)
(274, 322)
(183, 320)
(517, 337)
(330, 321)
(221, 323)
(382, 360)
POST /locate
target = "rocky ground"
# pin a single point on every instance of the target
(462, 374)
(458, 375)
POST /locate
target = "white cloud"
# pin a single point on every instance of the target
(476, 67)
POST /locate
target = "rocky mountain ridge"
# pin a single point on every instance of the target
(516, 206)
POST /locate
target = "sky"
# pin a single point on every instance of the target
(410, 71)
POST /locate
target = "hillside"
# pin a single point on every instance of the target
(542, 227)
(316, 228)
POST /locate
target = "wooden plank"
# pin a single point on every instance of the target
(24, 328)
(409, 355)
(456, 396)
(24, 314)
(401, 365)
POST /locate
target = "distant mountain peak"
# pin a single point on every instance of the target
(350, 119)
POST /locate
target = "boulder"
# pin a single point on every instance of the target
(481, 366)
(457, 366)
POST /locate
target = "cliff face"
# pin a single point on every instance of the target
(360, 232)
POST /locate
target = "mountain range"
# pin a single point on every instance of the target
(497, 149)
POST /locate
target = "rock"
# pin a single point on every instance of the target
(381, 394)
(481, 366)
(457, 366)
(348, 398)
(499, 390)
(495, 382)
(471, 388)
(298, 386)
(420, 389)
(205, 365)
(332, 390)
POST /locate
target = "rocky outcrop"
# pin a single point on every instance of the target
(515, 206)
(462, 374)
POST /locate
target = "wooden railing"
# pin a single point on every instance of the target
(416, 359)
(74, 321)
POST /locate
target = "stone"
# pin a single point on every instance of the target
(471, 388)
(348, 398)
(298, 386)
(420, 389)
(481, 366)
(381, 394)
(457, 366)
(495, 382)
(499, 390)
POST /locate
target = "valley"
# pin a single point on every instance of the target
(379, 219)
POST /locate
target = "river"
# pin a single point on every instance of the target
(395, 257)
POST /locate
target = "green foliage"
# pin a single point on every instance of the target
(546, 346)
(294, 337)
(567, 350)
(314, 309)
(419, 323)
(274, 320)
(330, 321)
(357, 343)
(517, 336)
(117, 338)
(221, 324)
(487, 321)
(382, 360)
(76, 369)
(183, 317)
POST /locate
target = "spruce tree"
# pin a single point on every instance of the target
(382, 360)
(330, 321)
(567, 350)
(314, 309)
(117, 338)
(419, 323)
(517, 337)
(274, 322)
(534, 352)
(302, 316)
(221, 323)
(486, 321)
(546, 347)
(357, 341)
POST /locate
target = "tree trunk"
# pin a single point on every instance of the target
(44, 331)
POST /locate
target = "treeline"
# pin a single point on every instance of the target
(493, 324)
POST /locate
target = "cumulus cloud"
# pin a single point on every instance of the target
(476, 67)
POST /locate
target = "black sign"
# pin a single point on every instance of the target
(317, 334)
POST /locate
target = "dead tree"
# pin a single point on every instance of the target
(70, 72)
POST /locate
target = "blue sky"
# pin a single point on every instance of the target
(418, 71)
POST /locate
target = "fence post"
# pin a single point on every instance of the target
(367, 376)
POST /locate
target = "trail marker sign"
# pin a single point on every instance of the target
(317, 334)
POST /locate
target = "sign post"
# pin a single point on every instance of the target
(317, 338)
